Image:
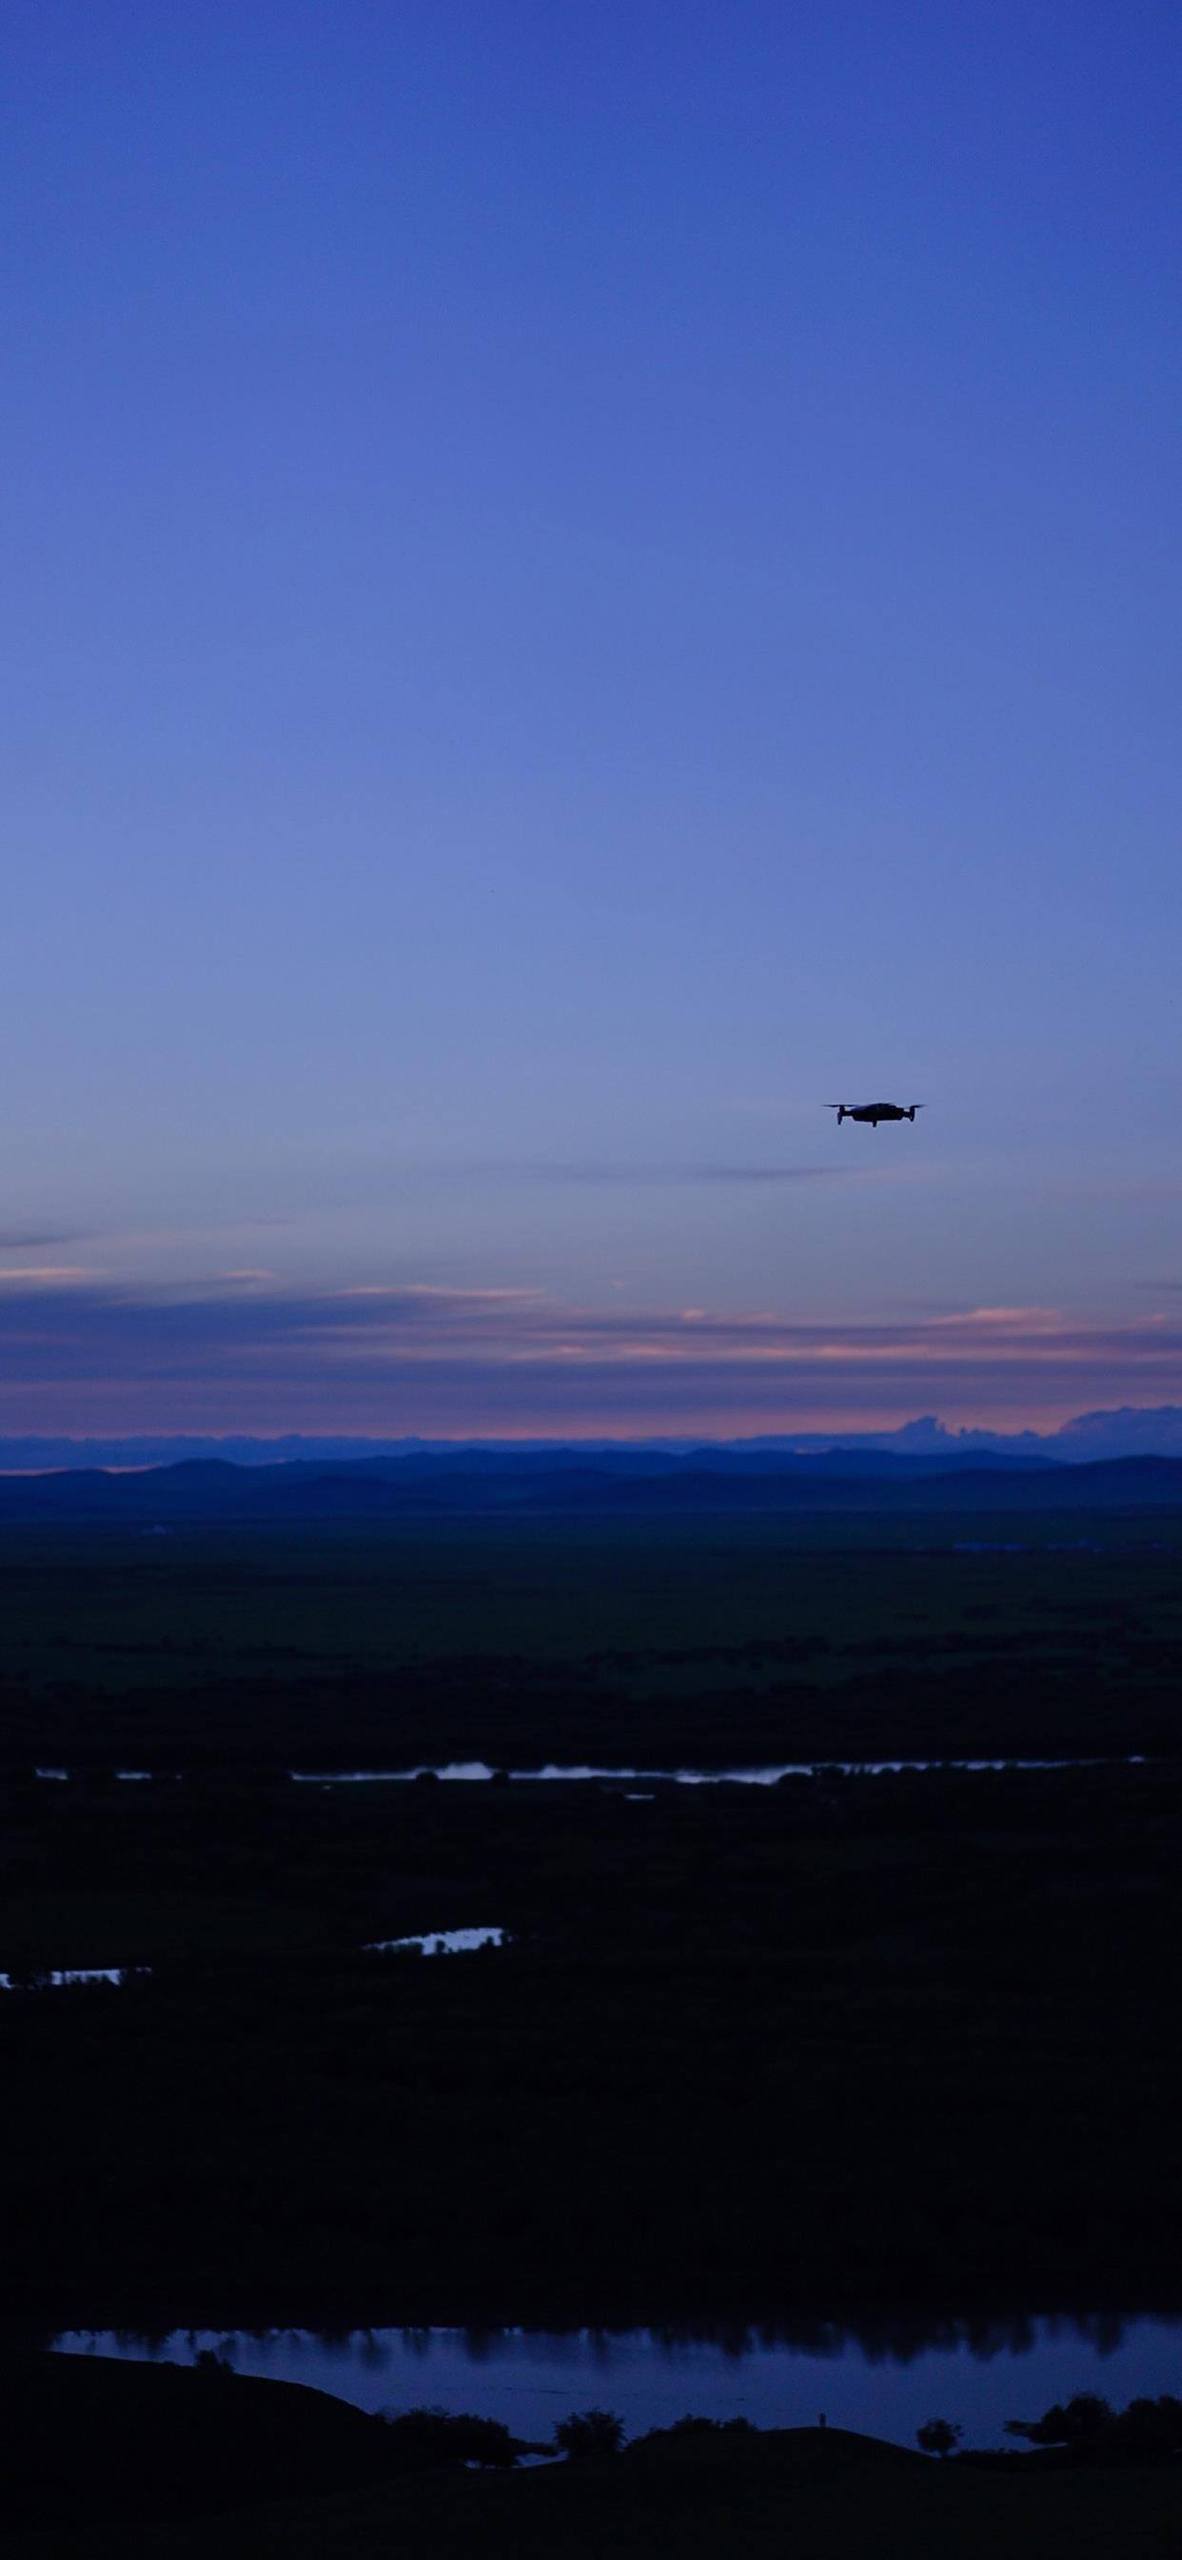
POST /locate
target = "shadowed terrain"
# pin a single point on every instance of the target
(841, 2040)
(166, 2465)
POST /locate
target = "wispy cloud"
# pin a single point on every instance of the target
(618, 1174)
(37, 1239)
(75, 1352)
(667, 1176)
(40, 1275)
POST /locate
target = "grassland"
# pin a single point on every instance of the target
(114, 1608)
(891, 2041)
(739, 1639)
(897, 2041)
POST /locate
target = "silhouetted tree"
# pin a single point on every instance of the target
(426, 2437)
(938, 2435)
(691, 2430)
(1081, 2421)
(1147, 2428)
(587, 2432)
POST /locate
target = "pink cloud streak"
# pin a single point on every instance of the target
(77, 1353)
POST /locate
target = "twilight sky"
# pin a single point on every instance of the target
(580, 581)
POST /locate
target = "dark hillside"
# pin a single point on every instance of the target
(212, 1490)
(154, 2463)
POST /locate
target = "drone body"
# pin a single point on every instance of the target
(874, 1111)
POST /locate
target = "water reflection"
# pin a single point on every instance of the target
(56, 1981)
(553, 1772)
(439, 1942)
(884, 2372)
(557, 1773)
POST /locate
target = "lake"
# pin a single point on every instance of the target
(882, 2376)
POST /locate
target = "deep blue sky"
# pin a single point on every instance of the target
(579, 581)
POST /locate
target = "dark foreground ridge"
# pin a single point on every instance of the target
(170, 2464)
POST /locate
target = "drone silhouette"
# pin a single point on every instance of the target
(874, 1111)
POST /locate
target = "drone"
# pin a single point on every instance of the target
(874, 1111)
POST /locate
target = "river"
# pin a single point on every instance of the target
(556, 1773)
(882, 2376)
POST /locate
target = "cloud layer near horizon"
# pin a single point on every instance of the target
(77, 1353)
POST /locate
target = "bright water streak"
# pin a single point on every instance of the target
(475, 1772)
(439, 1942)
(56, 1981)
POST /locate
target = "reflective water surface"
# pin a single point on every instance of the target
(473, 1772)
(885, 2377)
(439, 1942)
(82, 1973)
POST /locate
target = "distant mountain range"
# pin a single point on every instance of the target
(608, 1482)
(1125, 1432)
